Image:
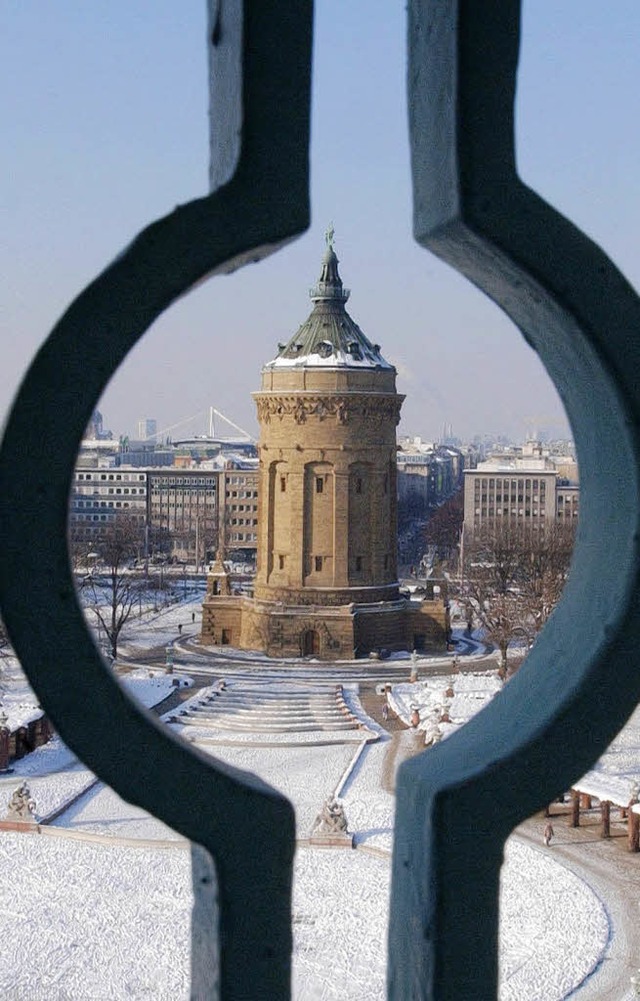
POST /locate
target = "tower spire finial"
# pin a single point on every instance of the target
(329, 236)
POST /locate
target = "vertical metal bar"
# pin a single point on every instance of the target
(457, 802)
(244, 825)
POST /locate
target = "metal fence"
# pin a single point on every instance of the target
(456, 805)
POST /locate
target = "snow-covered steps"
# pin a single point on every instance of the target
(244, 706)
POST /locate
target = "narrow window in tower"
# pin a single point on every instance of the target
(358, 562)
(385, 484)
(318, 562)
(386, 562)
(358, 486)
(319, 484)
(283, 484)
(281, 562)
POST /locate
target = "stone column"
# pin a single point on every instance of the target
(341, 524)
(264, 526)
(575, 808)
(605, 811)
(633, 831)
(379, 541)
(295, 573)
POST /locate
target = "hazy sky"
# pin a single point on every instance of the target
(104, 128)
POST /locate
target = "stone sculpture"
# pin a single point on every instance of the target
(331, 820)
(21, 805)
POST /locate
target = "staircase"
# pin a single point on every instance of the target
(256, 708)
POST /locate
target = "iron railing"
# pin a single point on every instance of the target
(457, 803)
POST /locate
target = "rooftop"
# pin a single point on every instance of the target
(329, 338)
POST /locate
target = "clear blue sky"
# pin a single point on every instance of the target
(104, 128)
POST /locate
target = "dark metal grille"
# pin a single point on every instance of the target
(458, 803)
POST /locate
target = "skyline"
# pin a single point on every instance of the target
(108, 130)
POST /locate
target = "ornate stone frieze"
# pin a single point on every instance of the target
(372, 408)
(290, 597)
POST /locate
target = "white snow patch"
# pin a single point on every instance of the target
(65, 937)
(553, 928)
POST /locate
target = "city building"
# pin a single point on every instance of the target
(567, 502)
(183, 512)
(188, 511)
(428, 474)
(326, 582)
(99, 494)
(96, 430)
(199, 509)
(521, 486)
(147, 429)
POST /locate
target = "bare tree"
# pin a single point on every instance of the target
(490, 584)
(81, 551)
(513, 578)
(546, 570)
(112, 593)
(444, 526)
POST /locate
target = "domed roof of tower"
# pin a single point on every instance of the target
(329, 338)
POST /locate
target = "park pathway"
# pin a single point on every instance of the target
(614, 874)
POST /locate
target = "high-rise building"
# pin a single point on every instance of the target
(327, 576)
(147, 429)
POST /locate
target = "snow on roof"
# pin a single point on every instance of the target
(329, 337)
(337, 359)
(619, 790)
(19, 703)
(615, 777)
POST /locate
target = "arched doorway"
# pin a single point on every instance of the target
(310, 643)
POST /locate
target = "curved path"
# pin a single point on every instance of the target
(614, 875)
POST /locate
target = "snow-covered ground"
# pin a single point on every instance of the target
(553, 927)
(85, 920)
(89, 921)
(444, 702)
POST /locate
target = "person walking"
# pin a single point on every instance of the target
(548, 834)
